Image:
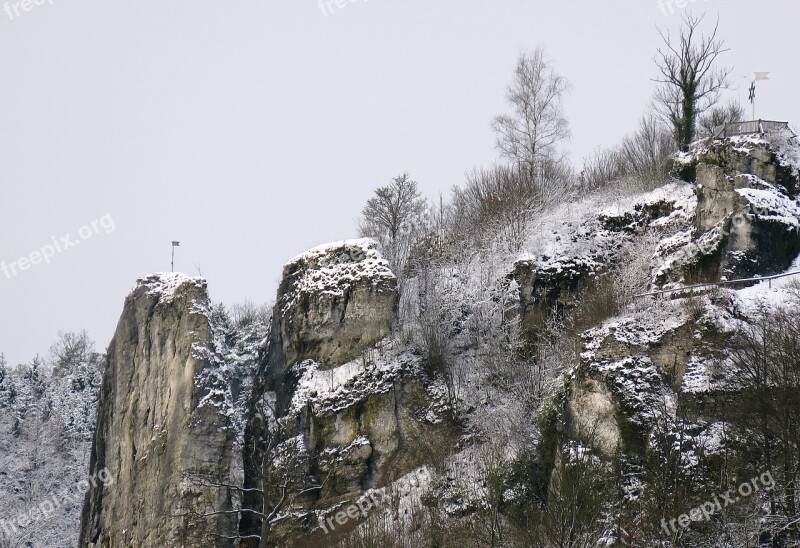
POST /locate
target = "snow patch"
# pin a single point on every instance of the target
(332, 269)
(374, 372)
(165, 285)
(772, 205)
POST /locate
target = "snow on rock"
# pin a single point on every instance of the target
(769, 294)
(745, 198)
(637, 383)
(375, 372)
(587, 239)
(712, 439)
(682, 250)
(331, 269)
(787, 149)
(707, 374)
(768, 204)
(587, 232)
(639, 329)
(670, 244)
(334, 301)
(645, 329)
(165, 285)
(150, 388)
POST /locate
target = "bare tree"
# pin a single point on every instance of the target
(766, 357)
(531, 133)
(689, 81)
(395, 217)
(576, 508)
(280, 478)
(641, 158)
(493, 195)
(719, 115)
(601, 168)
(247, 313)
(645, 153)
(70, 351)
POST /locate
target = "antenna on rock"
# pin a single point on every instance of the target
(174, 245)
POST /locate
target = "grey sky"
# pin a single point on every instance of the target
(251, 131)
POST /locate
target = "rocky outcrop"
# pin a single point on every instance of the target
(160, 435)
(340, 405)
(333, 301)
(741, 221)
(548, 287)
(553, 283)
(747, 211)
(660, 374)
(748, 154)
(627, 366)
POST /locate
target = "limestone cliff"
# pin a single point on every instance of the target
(746, 218)
(159, 433)
(660, 369)
(347, 399)
(734, 216)
(580, 255)
(340, 404)
(333, 301)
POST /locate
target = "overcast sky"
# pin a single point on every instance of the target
(251, 131)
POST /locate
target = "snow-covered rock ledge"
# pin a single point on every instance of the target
(334, 301)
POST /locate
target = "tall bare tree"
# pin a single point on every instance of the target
(689, 80)
(70, 352)
(531, 133)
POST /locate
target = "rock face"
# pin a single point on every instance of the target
(627, 366)
(746, 219)
(339, 405)
(645, 371)
(551, 288)
(552, 283)
(159, 434)
(344, 403)
(752, 155)
(334, 301)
